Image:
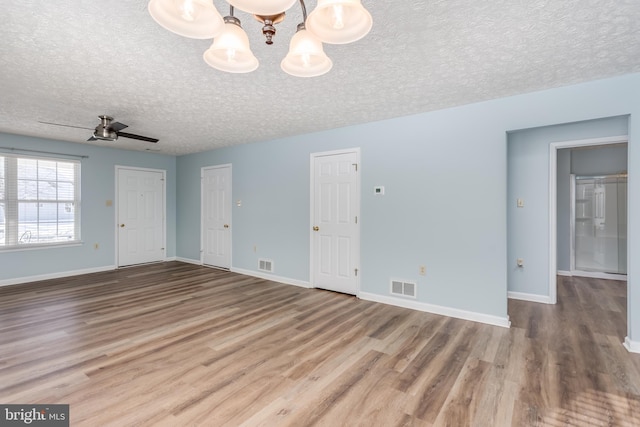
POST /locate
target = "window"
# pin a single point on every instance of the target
(39, 202)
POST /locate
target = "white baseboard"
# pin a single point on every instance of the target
(564, 273)
(189, 260)
(529, 297)
(258, 274)
(267, 276)
(631, 346)
(39, 277)
(438, 309)
(414, 305)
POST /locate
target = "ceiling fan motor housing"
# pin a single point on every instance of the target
(105, 134)
(103, 131)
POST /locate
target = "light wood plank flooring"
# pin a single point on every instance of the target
(175, 344)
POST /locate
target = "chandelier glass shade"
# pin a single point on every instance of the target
(339, 21)
(196, 19)
(230, 50)
(306, 57)
(332, 21)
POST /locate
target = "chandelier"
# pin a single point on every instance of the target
(332, 21)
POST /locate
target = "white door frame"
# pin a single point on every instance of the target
(202, 170)
(553, 188)
(313, 156)
(118, 168)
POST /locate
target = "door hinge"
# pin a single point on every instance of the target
(162, 249)
(355, 165)
(356, 271)
(356, 219)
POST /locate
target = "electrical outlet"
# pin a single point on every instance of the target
(255, 248)
(422, 270)
(520, 262)
(96, 246)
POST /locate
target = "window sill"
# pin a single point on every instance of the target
(33, 247)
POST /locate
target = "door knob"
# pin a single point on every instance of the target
(226, 226)
(121, 225)
(316, 228)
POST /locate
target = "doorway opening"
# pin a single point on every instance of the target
(591, 225)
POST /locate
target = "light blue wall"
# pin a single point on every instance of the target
(98, 220)
(400, 231)
(446, 194)
(272, 182)
(528, 161)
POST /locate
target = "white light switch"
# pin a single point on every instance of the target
(520, 203)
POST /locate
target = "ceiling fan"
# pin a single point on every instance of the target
(108, 130)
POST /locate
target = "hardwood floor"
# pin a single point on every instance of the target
(175, 344)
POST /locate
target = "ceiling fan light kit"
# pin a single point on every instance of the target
(332, 21)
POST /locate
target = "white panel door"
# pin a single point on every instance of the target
(216, 216)
(140, 216)
(335, 229)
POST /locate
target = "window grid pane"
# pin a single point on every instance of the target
(41, 201)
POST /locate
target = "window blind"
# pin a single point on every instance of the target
(39, 201)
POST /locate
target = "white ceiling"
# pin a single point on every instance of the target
(68, 61)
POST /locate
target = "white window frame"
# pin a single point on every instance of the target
(10, 201)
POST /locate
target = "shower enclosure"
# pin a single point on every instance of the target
(599, 214)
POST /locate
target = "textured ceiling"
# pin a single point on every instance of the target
(69, 61)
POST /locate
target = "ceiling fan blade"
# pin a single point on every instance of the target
(140, 137)
(67, 126)
(117, 126)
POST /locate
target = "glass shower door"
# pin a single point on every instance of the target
(600, 224)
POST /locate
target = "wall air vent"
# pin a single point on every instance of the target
(406, 289)
(265, 265)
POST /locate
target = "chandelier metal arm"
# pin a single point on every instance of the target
(304, 10)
